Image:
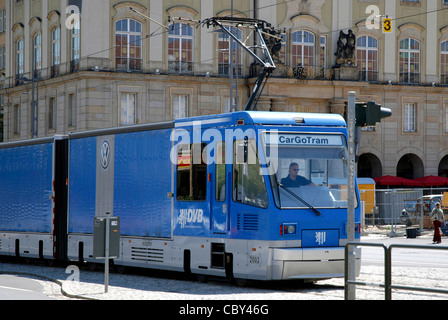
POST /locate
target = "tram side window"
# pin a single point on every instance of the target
(248, 182)
(191, 173)
(220, 169)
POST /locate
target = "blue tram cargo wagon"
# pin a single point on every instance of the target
(248, 195)
(33, 198)
(207, 195)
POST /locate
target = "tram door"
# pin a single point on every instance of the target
(220, 198)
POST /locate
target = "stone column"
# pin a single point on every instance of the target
(264, 104)
(338, 107)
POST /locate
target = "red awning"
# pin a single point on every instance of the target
(395, 181)
(432, 181)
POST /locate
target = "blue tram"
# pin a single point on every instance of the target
(247, 195)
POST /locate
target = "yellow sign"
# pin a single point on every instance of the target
(387, 25)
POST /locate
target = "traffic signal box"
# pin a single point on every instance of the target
(368, 114)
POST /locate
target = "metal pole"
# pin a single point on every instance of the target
(33, 102)
(106, 256)
(421, 213)
(393, 228)
(388, 275)
(351, 263)
(231, 64)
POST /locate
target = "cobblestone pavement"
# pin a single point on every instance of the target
(63, 283)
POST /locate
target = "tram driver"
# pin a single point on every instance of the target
(294, 180)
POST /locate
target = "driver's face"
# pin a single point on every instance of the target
(293, 171)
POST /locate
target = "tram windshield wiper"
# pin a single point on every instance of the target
(300, 199)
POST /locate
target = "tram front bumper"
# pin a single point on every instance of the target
(310, 263)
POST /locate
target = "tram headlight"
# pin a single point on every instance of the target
(289, 228)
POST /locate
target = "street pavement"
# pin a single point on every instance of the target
(72, 283)
(13, 287)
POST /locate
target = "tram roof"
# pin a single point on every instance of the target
(264, 118)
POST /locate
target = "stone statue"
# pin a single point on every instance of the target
(341, 49)
(345, 55)
(350, 48)
(274, 43)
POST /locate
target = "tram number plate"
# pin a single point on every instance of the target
(255, 259)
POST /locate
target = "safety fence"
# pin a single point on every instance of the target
(410, 206)
(388, 286)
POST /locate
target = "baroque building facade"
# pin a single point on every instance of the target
(3, 27)
(78, 65)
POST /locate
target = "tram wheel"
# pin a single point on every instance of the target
(240, 282)
(50, 262)
(120, 268)
(201, 278)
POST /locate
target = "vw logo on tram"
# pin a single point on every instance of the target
(105, 154)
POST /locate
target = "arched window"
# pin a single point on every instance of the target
(37, 52)
(55, 51)
(367, 58)
(180, 48)
(303, 52)
(128, 45)
(75, 47)
(409, 61)
(19, 57)
(224, 52)
(444, 63)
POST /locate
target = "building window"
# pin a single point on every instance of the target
(52, 114)
(72, 110)
(410, 117)
(2, 20)
(2, 57)
(19, 56)
(55, 51)
(224, 52)
(180, 48)
(75, 47)
(367, 56)
(128, 45)
(37, 52)
(226, 105)
(180, 106)
(444, 63)
(128, 109)
(409, 61)
(446, 117)
(16, 118)
(303, 53)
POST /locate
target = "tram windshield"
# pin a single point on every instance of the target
(310, 170)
